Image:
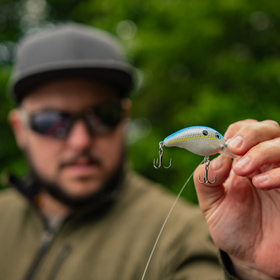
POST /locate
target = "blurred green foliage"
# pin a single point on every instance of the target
(200, 62)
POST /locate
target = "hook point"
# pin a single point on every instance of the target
(158, 162)
(206, 162)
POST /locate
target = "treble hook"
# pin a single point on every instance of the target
(206, 162)
(158, 162)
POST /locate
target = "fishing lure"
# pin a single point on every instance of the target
(200, 140)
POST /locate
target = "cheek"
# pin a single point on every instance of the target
(111, 148)
(43, 154)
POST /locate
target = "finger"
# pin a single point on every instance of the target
(267, 180)
(267, 152)
(252, 133)
(210, 194)
(235, 127)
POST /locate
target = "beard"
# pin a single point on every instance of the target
(107, 188)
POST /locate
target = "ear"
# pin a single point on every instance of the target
(18, 127)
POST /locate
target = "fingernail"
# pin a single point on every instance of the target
(243, 162)
(216, 163)
(236, 142)
(262, 178)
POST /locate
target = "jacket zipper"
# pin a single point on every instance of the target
(62, 255)
(44, 245)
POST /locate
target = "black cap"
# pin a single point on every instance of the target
(69, 50)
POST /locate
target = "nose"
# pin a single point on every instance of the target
(79, 137)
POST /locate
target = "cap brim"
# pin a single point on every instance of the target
(118, 76)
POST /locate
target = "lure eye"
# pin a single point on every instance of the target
(217, 136)
(205, 132)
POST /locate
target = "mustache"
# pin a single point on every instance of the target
(84, 157)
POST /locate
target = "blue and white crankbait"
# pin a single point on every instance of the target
(200, 140)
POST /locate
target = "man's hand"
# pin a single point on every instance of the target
(242, 208)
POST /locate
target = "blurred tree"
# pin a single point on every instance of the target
(201, 62)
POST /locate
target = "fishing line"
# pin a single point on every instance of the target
(165, 221)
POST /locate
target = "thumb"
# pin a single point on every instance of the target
(211, 195)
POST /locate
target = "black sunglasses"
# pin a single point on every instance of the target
(99, 120)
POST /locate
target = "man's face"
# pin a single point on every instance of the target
(66, 162)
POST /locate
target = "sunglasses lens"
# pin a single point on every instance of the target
(109, 115)
(51, 123)
(104, 118)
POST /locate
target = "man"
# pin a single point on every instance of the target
(81, 213)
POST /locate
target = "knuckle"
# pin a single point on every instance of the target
(250, 121)
(274, 144)
(263, 131)
(231, 127)
(260, 149)
(272, 123)
(277, 141)
(241, 124)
